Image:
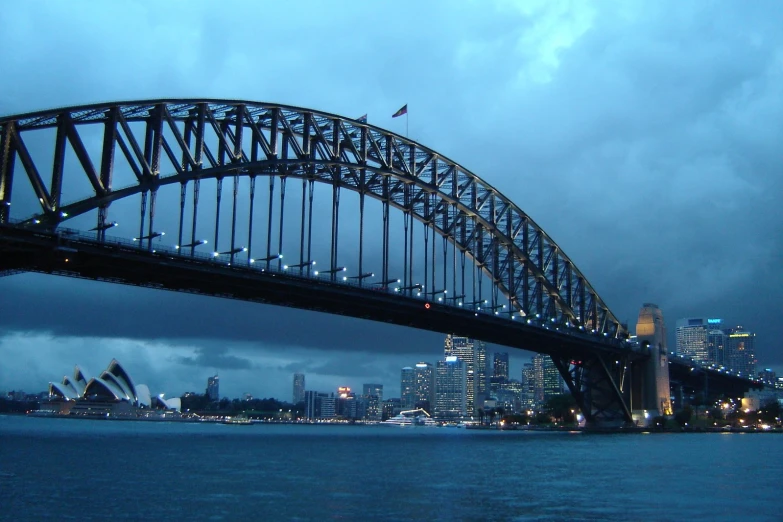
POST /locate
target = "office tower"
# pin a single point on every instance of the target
(547, 380)
(537, 362)
(328, 405)
(553, 382)
(345, 403)
(424, 386)
(312, 405)
(408, 387)
(474, 355)
(372, 395)
(716, 345)
(299, 387)
(691, 335)
(213, 388)
(741, 351)
(451, 388)
(528, 385)
(500, 365)
(509, 396)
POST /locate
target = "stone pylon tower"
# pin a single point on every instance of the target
(653, 393)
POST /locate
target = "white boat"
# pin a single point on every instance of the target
(411, 418)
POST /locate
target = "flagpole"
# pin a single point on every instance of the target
(406, 123)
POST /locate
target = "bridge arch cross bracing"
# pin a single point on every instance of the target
(203, 139)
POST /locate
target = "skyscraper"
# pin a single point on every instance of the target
(500, 365)
(213, 388)
(528, 394)
(547, 379)
(716, 345)
(299, 387)
(372, 394)
(451, 388)
(424, 386)
(741, 348)
(408, 387)
(474, 355)
(417, 386)
(691, 335)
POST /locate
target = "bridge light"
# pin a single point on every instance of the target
(36, 221)
(64, 214)
(316, 272)
(252, 261)
(285, 267)
(427, 306)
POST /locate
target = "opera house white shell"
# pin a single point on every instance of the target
(113, 385)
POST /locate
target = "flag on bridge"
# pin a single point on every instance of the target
(362, 119)
(403, 110)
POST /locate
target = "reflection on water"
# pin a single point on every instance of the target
(97, 470)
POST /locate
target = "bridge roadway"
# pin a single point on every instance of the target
(75, 254)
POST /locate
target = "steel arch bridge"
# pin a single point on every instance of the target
(496, 274)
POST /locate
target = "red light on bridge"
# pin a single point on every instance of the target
(427, 306)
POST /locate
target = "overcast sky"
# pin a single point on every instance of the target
(645, 138)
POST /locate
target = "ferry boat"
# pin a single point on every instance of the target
(417, 417)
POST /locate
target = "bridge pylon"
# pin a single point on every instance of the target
(650, 395)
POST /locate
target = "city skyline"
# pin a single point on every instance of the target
(670, 151)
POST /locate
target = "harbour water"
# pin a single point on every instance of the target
(64, 469)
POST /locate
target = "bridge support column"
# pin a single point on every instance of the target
(652, 392)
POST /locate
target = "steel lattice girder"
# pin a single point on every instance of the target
(206, 139)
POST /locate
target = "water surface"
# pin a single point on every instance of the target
(67, 469)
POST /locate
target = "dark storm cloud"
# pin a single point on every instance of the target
(644, 138)
(216, 358)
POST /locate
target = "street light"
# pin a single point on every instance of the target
(105, 226)
(195, 244)
(150, 237)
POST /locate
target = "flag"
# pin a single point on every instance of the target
(362, 119)
(403, 110)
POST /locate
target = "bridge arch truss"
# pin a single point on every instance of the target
(168, 142)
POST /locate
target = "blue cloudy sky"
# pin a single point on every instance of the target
(644, 137)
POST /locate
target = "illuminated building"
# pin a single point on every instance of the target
(345, 403)
(213, 388)
(528, 385)
(500, 365)
(392, 407)
(299, 387)
(474, 355)
(741, 351)
(691, 335)
(372, 402)
(451, 388)
(716, 346)
(408, 387)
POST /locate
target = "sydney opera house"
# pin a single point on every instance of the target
(112, 393)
